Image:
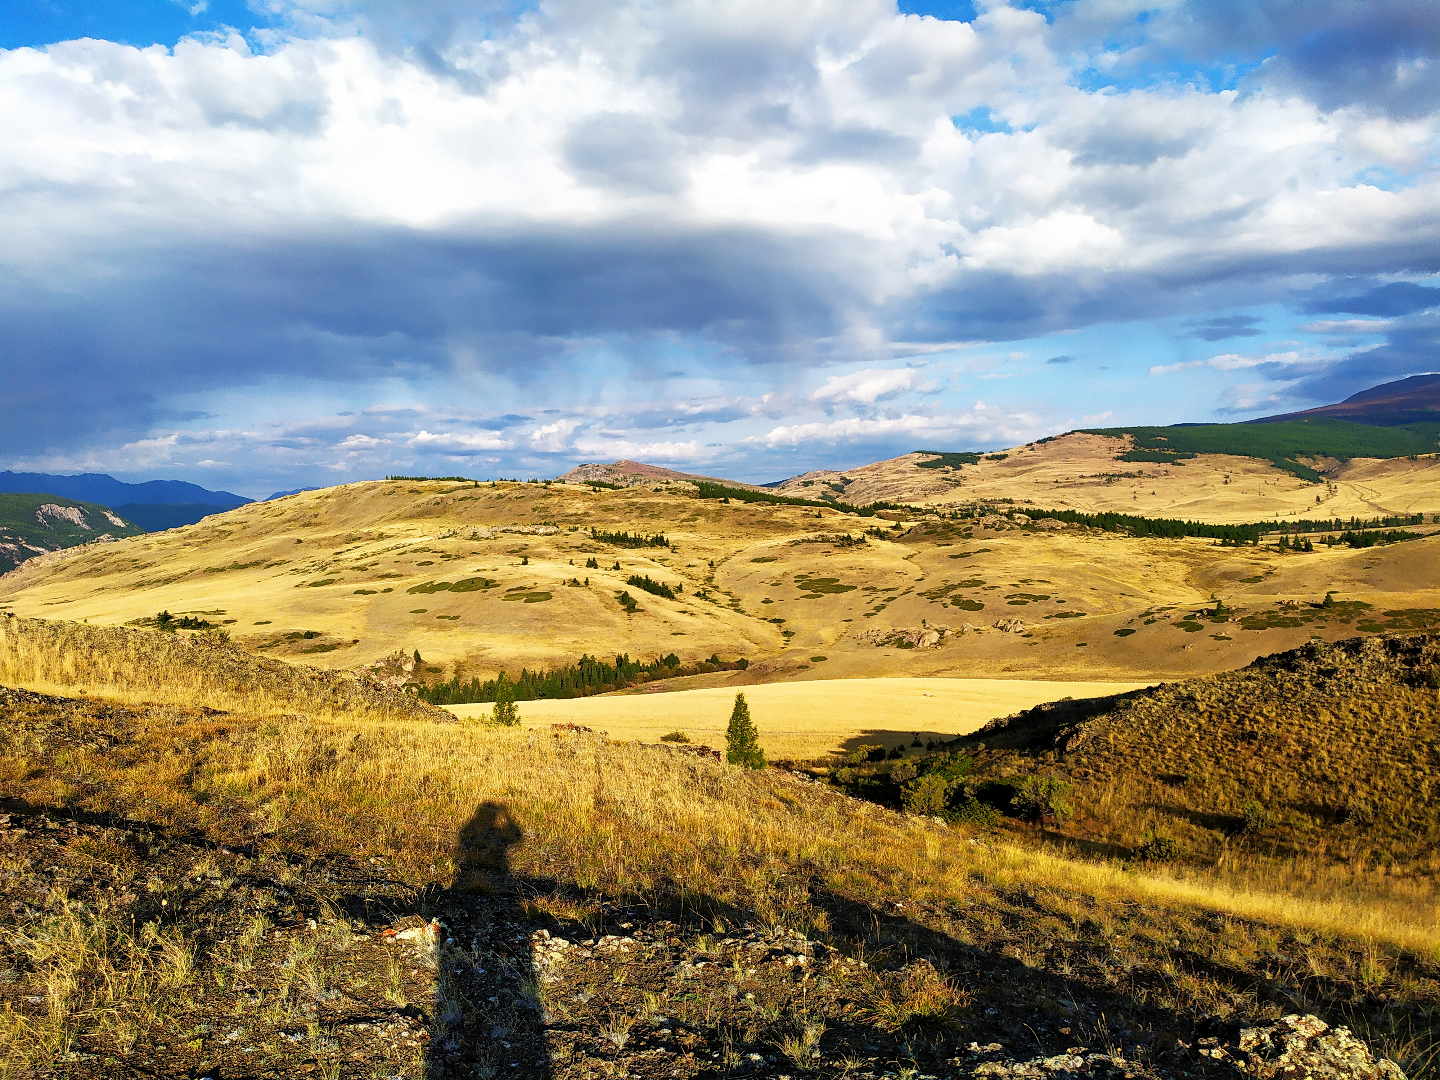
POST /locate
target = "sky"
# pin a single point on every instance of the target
(267, 244)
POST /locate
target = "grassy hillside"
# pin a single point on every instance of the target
(1281, 443)
(1325, 755)
(480, 579)
(31, 525)
(244, 892)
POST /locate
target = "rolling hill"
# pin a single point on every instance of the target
(1406, 402)
(33, 525)
(480, 578)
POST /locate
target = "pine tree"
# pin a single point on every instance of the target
(505, 712)
(742, 741)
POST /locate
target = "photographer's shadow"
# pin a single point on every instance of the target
(487, 1019)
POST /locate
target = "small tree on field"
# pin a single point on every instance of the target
(742, 741)
(505, 713)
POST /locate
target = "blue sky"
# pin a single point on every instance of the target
(294, 242)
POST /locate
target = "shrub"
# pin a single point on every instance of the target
(1157, 847)
(628, 603)
(742, 741)
(902, 771)
(972, 811)
(927, 795)
(865, 752)
(1039, 797)
(1255, 817)
(675, 736)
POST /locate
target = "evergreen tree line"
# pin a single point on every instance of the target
(628, 539)
(1163, 527)
(724, 492)
(1308, 525)
(588, 676)
(657, 588)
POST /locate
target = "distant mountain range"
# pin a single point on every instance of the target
(153, 506)
(1415, 400)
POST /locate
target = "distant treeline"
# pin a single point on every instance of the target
(447, 479)
(1280, 443)
(1367, 538)
(1308, 525)
(1164, 527)
(710, 490)
(628, 540)
(582, 679)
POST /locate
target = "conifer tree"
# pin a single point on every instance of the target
(505, 713)
(742, 741)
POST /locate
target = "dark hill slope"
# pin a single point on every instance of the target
(153, 505)
(32, 525)
(1336, 748)
(1415, 400)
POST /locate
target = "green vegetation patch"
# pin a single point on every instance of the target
(967, 554)
(655, 588)
(1293, 615)
(589, 675)
(1190, 626)
(1281, 443)
(527, 597)
(1069, 615)
(629, 539)
(1125, 631)
(764, 558)
(1027, 596)
(324, 581)
(945, 459)
(968, 604)
(470, 584)
(815, 587)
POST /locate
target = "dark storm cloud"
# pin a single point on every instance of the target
(1410, 351)
(1379, 54)
(1396, 298)
(1227, 326)
(393, 304)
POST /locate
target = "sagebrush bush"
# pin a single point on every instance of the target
(1040, 797)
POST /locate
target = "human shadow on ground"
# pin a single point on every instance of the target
(709, 987)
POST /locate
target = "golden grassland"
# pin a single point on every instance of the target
(1079, 472)
(802, 721)
(593, 820)
(342, 577)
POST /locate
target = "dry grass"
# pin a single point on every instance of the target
(339, 564)
(1334, 750)
(140, 666)
(808, 720)
(600, 821)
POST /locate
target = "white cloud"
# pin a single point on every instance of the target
(458, 441)
(1243, 361)
(866, 386)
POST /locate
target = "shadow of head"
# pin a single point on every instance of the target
(482, 859)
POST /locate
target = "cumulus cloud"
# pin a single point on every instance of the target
(867, 387)
(630, 207)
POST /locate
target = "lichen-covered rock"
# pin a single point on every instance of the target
(1303, 1047)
